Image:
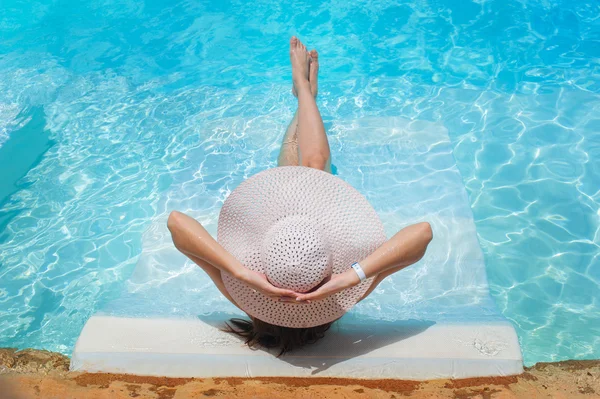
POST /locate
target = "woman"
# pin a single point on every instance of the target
(297, 246)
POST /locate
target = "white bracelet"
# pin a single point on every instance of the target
(361, 273)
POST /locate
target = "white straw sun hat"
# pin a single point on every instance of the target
(297, 225)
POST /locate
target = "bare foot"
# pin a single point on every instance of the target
(294, 91)
(300, 61)
(313, 72)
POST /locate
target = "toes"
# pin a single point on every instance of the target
(293, 41)
(314, 55)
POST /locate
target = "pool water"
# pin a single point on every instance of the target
(112, 112)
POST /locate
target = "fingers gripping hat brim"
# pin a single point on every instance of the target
(344, 217)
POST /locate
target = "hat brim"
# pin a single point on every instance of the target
(345, 217)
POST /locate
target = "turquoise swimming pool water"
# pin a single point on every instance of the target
(105, 105)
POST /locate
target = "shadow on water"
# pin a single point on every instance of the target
(344, 341)
(23, 151)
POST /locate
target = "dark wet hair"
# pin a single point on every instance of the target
(259, 334)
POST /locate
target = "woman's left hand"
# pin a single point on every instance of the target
(337, 283)
(259, 282)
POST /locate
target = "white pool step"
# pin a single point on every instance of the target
(415, 350)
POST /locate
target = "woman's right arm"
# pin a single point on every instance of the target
(405, 248)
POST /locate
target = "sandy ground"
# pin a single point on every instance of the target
(41, 374)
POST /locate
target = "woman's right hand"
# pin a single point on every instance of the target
(337, 283)
(259, 282)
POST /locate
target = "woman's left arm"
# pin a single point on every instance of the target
(196, 243)
(192, 239)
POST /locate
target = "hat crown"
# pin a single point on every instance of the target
(296, 254)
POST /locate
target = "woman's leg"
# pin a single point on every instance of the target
(313, 147)
(288, 153)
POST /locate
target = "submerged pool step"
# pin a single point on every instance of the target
(413, 349)
(153, 328)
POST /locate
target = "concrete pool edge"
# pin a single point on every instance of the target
(194, 348)
(33, 373)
